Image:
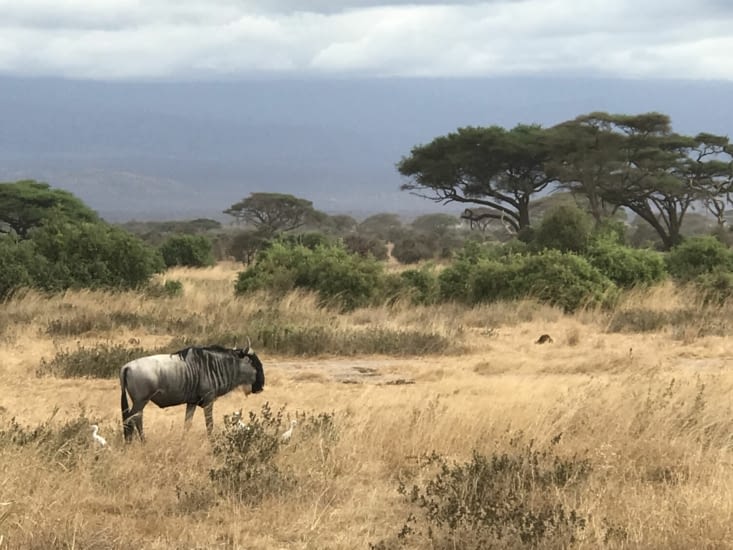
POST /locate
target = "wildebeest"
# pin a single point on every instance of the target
(195, 376)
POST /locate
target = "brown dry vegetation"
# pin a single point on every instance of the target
(650, 413)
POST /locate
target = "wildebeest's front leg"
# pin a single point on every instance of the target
(190, 409)
(209, 416)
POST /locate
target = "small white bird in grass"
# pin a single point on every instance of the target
(288, 434)
(98, 439)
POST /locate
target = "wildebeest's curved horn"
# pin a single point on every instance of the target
(249, 343)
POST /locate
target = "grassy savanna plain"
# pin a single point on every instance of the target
(635, 402)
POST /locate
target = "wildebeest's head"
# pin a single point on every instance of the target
(249, 355)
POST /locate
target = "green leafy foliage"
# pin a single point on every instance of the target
(17, 261)
(421, 285)
(566, 227)
(188, 251)
(272, 213)
(27, 204)
(482, 274)
(627, 267)
(244, 245)
(564, 280)
(366, 245)
(697, 256)
(410, 247)
(339, 277)
(91, 255)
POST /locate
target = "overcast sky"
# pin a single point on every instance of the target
(223, 39)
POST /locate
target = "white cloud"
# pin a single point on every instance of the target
(128, 39)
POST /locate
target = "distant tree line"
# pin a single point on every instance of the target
(546, 216)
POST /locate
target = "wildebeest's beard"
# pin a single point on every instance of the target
(259, 384)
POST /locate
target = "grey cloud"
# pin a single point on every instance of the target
(127, 39)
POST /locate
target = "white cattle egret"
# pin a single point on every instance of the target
(288, 434)
(98, 439)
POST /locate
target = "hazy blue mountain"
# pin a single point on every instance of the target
(174, 149)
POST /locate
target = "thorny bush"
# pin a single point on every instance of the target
(503, 500)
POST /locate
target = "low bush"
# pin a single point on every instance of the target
(341, 279)
(16, 265)
(715, 287)
(187, 251)
(697, 256)
(247, 453)
(627, 267)
(91, 255)
(320, 339)
(366, 246)
(61, 445)
(421, 285)
(100, 361)
(411, 248)
(566, 228)
(246, 468)
(504, 500)
(552, 277)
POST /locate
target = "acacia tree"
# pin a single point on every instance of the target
(585, 155)
(497, 170)
(272, 213)
(638, 162)
(661, 175)
(27, 204)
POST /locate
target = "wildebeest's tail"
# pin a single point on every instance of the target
(124, 405)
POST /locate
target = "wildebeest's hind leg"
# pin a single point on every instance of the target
(134, 421)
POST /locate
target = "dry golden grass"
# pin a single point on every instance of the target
(651, 412)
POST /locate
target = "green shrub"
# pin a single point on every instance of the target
(454, 282)
(421, 285)
(552, 277)
(246, 468)
(563, 280)
(627, 267)
(91, 255)
(490, 280)
(245, 245)
(366, 245)
(308, 239)
(246, 453)
(339, 278)
(698, 255)
(566, 228)
(16, 265)
(411, 248)
(188, 251)
(504, 500)
(715, 287)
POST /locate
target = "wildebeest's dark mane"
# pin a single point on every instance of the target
(198, 351)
